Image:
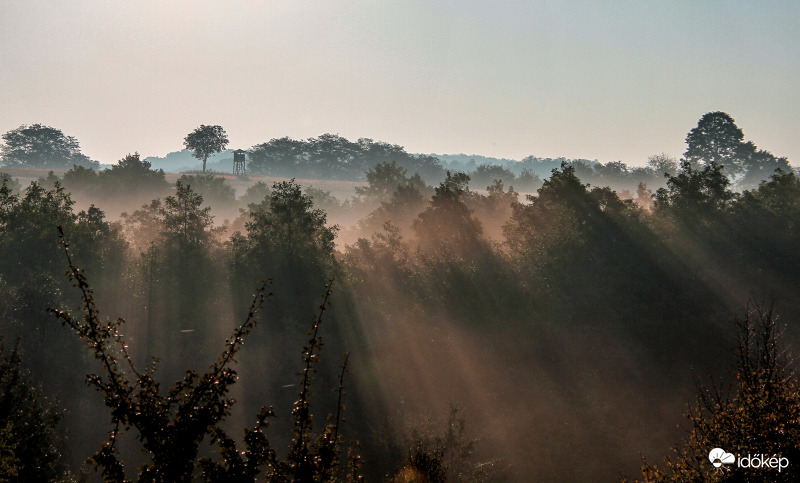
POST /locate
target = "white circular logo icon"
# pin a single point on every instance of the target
(718, 457)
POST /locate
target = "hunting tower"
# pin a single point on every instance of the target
(239, 162)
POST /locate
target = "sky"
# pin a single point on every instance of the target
(607, 80)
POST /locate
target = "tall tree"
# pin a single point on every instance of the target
(205, 141)
(29, 434)
(179, 270)
(384, 179)
(186, 224)
(288, 240)
(716, 139)
(448, 222)
(695, 195)
(39, 146)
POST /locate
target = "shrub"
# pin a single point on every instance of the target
(172, 425)
(759, 414)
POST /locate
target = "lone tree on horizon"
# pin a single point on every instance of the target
(205, 141)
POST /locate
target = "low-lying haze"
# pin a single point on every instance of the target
(597, 80)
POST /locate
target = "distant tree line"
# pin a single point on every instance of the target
(38, 146)
(332, 156)
(717, 138)
(581, 293)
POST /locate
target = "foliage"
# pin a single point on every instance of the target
(185, 223)
(611, 171)
(130, 173)
(450, 456)
(178, 222)
(30, 438)
(447, 222)
(255, 194)
(9, 463)
(7, 182)
(695, 195)
(758, 165)
(759, 414)
(585, 294)
(528, 181)
(27, 233)
(80, 178)
(38, 146)
(552, 219)
(205, 141)
(291, 226)
(663, 164)
(401, 198)
(288, 238)
(144, 226)
(214, 190)
(171, 426)
(332, 156)
(718, 140)
(494, 209)
(644, 198)
(129, 182)
(779, 195)
(278, 157)
(179, 253)
(383, 259)
(383, 180)
(322, 199)
(485, 175)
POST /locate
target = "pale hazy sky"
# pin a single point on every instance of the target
(611, 80)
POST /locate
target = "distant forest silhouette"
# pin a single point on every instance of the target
(501, 322)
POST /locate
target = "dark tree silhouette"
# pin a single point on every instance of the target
(6, 181)
(288, 235)
(448, 222)
(695, 195)
(383, 180)
(29, 437)
(716, 139)
(485, 174)
(38, 146)
(171, 425)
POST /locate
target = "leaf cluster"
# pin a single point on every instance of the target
(39, 146)
(172, 424)
(758, 414)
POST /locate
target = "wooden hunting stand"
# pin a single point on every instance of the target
(239, 162)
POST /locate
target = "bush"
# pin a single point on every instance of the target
(172, 425)
(449, 456)
(759, 414)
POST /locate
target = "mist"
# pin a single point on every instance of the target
(563, 310)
